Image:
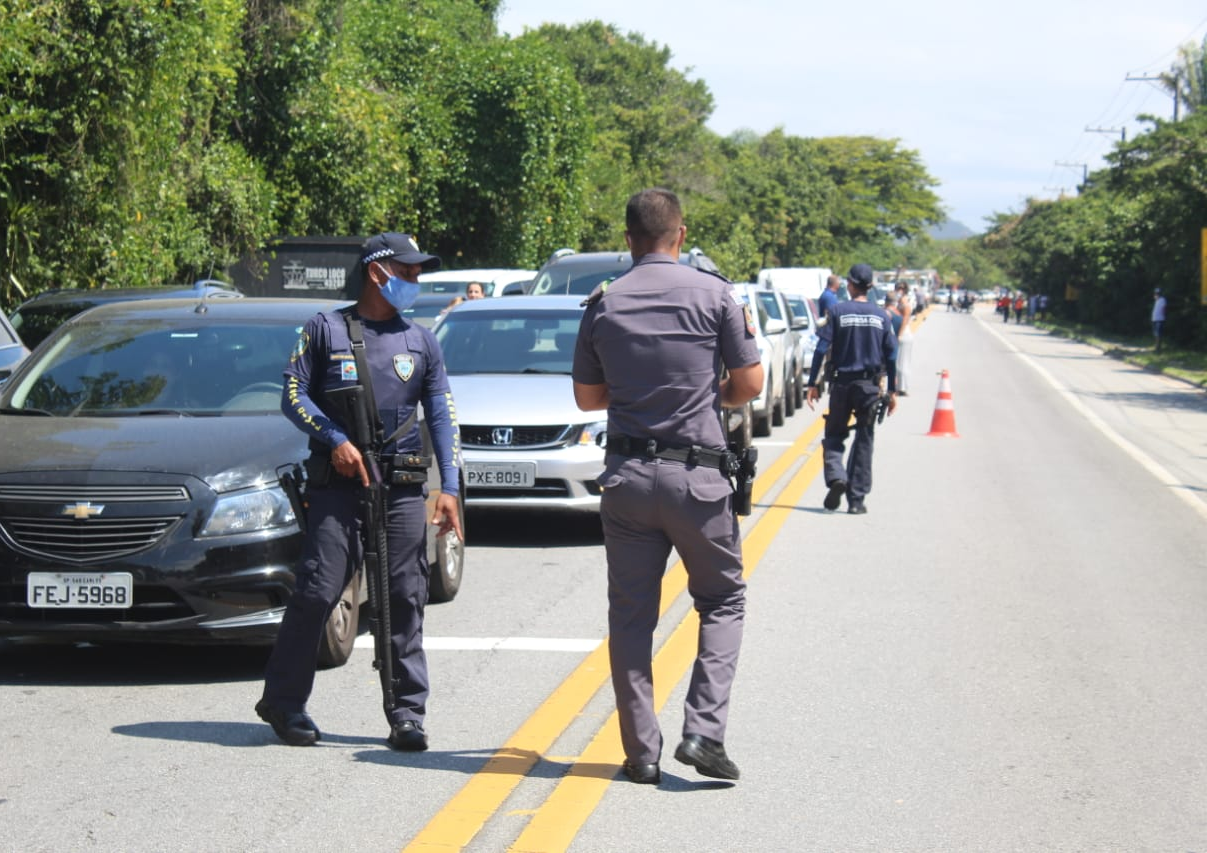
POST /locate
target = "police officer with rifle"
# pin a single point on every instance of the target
(353, 385)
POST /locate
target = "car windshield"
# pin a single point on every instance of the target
(578, 278)
(513, 341)
(146, 367)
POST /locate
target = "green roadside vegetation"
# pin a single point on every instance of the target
(1186, 364)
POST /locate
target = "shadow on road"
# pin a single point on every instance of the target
(537, 529)
(30, 663)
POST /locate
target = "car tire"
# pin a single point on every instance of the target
(445, 578)
(777, 411)
(798, 390)
(342, 626)
(790, 396)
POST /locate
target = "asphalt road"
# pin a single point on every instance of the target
(1007, 653)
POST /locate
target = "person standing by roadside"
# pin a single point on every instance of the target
(828, 298)
(864, 352)
(405, 370)
(1158, 317)
(650, 347)
(905, 340)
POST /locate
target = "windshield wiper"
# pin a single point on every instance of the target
(130, 413)
(542, 370)
(10, 410)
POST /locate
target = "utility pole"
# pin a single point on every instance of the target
(1159, 78)
(1122, 131)
(1085, 171)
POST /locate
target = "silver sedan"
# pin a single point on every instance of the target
(525, 444)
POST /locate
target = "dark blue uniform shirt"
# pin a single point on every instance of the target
(861, 336)
(407, 370)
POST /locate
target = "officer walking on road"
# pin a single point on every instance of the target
(650, 350)
(863, 350)
(405, 369)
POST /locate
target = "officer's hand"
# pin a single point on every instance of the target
(447, 516)
(892, 402)
(349, 463)
(812, 395)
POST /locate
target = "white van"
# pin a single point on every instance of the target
(806, 281)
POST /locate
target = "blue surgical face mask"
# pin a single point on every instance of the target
(399, 292)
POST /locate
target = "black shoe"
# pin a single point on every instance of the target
(834, 496)
(642, 774)
(857, 508)
(292, 727)
(707, 756)
(407, 736)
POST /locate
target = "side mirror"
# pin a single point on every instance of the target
(799, 323)
(775, 327)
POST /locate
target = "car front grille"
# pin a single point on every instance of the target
(85, 541)
(113, 494)
(506, 437)
(70, 530)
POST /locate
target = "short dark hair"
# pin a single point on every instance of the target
(653, 215)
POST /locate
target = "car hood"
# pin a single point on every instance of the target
(517, 399)
(227, 452)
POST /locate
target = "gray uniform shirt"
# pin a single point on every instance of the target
(657, 338)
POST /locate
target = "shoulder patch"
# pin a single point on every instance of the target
(596, 294)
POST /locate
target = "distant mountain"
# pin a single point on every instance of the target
(950, 230)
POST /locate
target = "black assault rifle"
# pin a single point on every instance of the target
(358, 413)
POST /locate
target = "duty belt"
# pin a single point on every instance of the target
(651, 448)
(856, 375)
(406, 468)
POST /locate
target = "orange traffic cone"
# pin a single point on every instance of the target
(944, 421)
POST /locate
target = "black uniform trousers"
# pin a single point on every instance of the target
(846, 398)
(330, 556)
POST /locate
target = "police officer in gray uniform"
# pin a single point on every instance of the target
(406, 369)
(858, 336)
(650, 350)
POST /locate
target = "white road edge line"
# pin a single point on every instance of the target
(1167, 479)
(506, 644)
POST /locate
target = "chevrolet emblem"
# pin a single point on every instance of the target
(82, 511)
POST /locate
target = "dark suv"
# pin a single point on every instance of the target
(140, 455)
(579, 273)
(572, 272)
(38, 316)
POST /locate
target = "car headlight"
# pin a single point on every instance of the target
(248, 511)
(594, 433)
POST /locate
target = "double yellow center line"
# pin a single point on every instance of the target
(554, 825)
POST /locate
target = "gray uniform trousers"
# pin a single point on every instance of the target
(648, 506)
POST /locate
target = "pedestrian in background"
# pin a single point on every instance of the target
(905, 341)
(649, 350)
(828, 298)
(475, 290)
(405, 370)
(863, 351)
(1158, 317)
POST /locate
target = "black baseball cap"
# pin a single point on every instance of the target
(861, 274)
(400, 247)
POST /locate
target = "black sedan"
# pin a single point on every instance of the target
(140, 453)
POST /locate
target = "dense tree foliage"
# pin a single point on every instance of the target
(147, 141)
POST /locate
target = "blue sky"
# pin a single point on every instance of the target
(991, 98)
